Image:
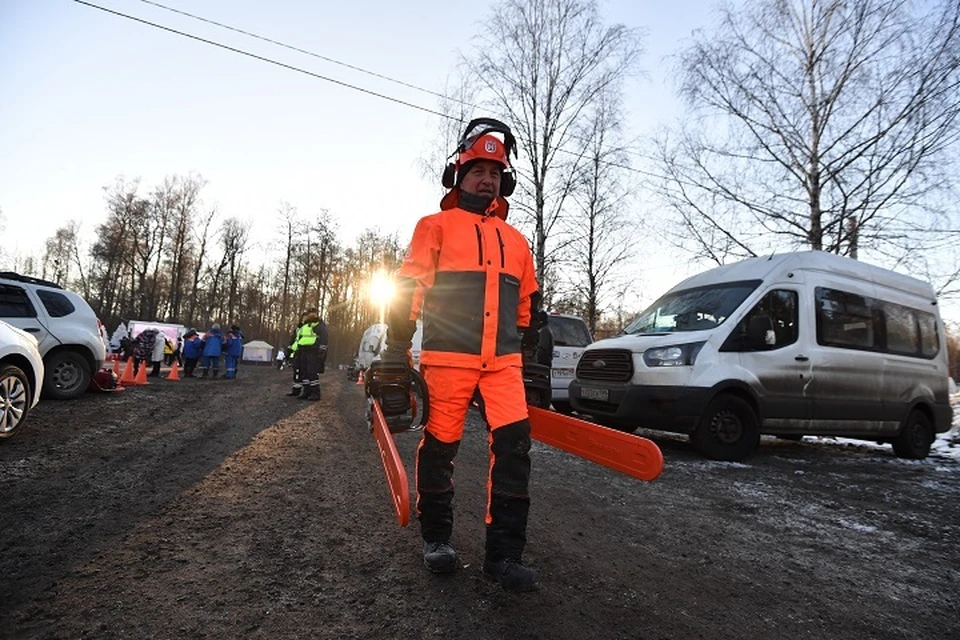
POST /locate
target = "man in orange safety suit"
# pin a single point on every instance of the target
(471, 278)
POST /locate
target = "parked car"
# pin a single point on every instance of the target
(21, 376)
(570, 337)
(805, 343)
(67, 331)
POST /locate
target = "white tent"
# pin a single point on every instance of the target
(118, 334)
(257, 351)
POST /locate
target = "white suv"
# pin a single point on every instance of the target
(67, 330)
(570, 337)
(21, 374)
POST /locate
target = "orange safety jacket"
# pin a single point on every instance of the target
(475, 283)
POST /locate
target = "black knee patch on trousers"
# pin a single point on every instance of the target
(509, 497)
(435, 487)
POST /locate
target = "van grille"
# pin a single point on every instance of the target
(607, 365)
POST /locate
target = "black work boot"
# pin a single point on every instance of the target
(512, 574)
(203, 374)
(294, 392)
(439, 557)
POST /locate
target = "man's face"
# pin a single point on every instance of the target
(483, 179)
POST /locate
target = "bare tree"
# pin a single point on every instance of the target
(821, 124)
(544, 64)
(183, 201)
(234, 240)
(60, 253)
(597, 242)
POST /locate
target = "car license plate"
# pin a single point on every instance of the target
(591, 393)
(563, 372)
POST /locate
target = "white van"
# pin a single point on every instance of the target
(570, 337)
(375, 339)
(805, 343)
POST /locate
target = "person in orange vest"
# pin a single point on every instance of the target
(471, 278)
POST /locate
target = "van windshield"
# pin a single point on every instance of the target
(568, 332)
(692, 309)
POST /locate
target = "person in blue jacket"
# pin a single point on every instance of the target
(213, 342)
(234, 351)
(192, 348)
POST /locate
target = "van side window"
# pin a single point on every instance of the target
(772, 323)
(851, 321)
(14, 303)
(929, 336)
(903, 332)
(845, 320)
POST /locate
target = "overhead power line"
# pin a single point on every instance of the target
(374, 74)
(310, 53)
(269, 60)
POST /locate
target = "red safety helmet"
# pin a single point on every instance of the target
(479, 143)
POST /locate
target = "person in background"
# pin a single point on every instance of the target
(143, 345)
(213, 342)
(192, 348)
(471, 276)
(234, 346)
(280, 358)
(168, 351)
(126, 348)
(159, 350)
(294, 359)
(311, 343)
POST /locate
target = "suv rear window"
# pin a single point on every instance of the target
(57, 304)
(14, 303)
(569, 332)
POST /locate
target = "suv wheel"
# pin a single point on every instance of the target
(67, 375)
(14, 399)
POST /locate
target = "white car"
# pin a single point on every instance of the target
(21, 376)
(67, 330)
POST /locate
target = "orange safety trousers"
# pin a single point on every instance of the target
(452, 388)
(503, 404)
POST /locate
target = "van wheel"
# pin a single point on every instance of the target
(915, 437)
(729, 429)
(67, 376)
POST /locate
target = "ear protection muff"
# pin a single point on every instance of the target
(508, 182)
(449, 178)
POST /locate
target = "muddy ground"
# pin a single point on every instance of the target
(223, 509)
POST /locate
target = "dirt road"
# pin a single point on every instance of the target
(223, 509)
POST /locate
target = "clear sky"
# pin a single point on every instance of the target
(88, 96)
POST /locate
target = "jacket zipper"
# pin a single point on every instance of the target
(503, 262)
(479, 244)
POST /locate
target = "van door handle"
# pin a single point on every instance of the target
(801, 358)
(32, 329)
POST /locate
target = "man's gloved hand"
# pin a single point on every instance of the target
(530, 339)
(392, 381)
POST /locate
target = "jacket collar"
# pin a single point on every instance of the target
(455, 198)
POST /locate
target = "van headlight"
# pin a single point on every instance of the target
(673, 356)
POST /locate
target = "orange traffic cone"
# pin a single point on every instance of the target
(116, 367)
(174, 372)
(127, 377)
(141, 377)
